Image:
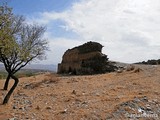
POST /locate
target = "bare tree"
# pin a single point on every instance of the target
(20, 44)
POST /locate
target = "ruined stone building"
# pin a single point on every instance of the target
(84, 59)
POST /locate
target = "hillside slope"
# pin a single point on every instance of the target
(114, 96)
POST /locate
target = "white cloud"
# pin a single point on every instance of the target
(129, 29)
(57, 48)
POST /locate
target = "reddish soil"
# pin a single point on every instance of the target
(93, 97)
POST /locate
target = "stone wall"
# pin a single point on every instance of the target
(84, 59)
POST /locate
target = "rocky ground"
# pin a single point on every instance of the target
(131, 94)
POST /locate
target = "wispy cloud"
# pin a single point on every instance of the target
(129, 29)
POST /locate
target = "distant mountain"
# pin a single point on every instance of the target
(50, 67)
(1, 67)
(118, 64)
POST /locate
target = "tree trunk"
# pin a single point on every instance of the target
(7, 82)
(6, 99)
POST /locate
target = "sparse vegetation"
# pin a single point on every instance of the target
(150, 62)
(95, 65)
(26, 73)
(22, 73)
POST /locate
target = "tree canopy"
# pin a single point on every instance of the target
(20, 43)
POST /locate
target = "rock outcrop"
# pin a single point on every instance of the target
(84, 59)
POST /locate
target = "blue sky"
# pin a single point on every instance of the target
(32, 8)
(129, 30)
(27, 7)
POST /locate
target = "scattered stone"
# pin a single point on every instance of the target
(145, 98)
(136, 70)
(74, 92)
(136, 99)
(28, 86)
(21, 108)
(26, 117)
(38, 108)
(148, 107)
(109, 116)
(64, 111)
(49, 107)
(12, 119)
(119, 70)
(14, 107)
(84, 104)
(137, 108)
(130, 67)
(140, 93)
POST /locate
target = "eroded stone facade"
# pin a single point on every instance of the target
(84, 59)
